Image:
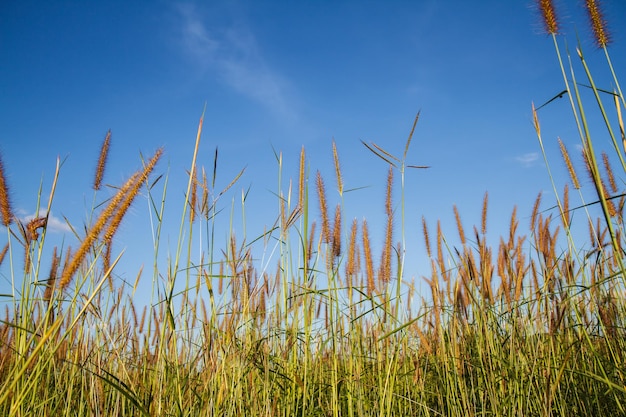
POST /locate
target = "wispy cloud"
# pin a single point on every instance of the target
(527, 159)
(234, 55)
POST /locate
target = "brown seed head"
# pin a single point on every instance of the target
(6, 214)
(3, 253)
(548, 16)
(369, 264)
(321, 192)
(609, 173)
(351, 265)
(459, 224)
(337, 169)
(426, 237)
(337, 232)
(102, 160)
(570, 166)
(52, 277)
(114, 212)
(301, 178)
(598, 23)
(483, 222)
(33, 225)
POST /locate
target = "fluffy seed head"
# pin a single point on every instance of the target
(598, 23)
(337, 232)
(570, 166)
(6, 214)
(102, 160)
(321, 192)
(548, 16)
(337, 169)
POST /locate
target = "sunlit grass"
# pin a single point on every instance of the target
(305, 319)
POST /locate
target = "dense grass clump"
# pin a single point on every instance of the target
(534, 325)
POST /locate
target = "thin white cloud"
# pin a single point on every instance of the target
(527, 159)
(234, 56)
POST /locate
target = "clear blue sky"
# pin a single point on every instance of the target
(282, 75)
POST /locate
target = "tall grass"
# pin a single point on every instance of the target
(305, 319)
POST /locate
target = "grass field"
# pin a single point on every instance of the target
(534, 326)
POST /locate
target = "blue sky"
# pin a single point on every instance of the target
(282, 75)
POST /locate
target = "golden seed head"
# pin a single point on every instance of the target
(570, 166)
(369, 264)
(598, 23)
(459, 225)
(337, 232)
(609, 173)
(388, 205)
(321, 192)
(426, 238)
(52, 277)
(33, 225)
(3, 253)
(351, 265)
(102, 160)
(484, 214)
(533, 217)
(301, 178)
(193, 199)
(337, 169)
(548, 16)
(6, 214)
